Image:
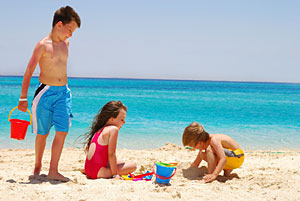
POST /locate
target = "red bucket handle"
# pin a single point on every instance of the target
(162, 177)
(16, 108)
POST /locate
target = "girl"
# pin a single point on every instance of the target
(101, 143)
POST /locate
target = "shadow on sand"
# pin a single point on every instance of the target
(37, 179)
(223, 179)
(198, 173)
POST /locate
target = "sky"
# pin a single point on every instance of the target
(229, 40)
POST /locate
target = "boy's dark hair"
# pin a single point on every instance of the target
(66, 15)
(194, 133)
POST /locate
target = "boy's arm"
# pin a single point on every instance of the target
(36, 55)
(197, 161)
(217, 146)
(112, 145)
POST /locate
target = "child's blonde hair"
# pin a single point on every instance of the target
(194, 133)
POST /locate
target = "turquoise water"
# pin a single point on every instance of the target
(257, 115)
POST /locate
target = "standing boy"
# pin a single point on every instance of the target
(220, 151)
(52, 100)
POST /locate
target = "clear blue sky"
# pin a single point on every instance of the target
(165, 39)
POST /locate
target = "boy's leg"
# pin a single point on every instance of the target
(227, 173)
(40, 143)
(211, 160)
(57, 147)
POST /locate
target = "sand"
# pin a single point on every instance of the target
(265, 175)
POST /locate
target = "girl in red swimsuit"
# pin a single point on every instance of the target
(101, 143)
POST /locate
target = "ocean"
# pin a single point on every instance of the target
(258, 115)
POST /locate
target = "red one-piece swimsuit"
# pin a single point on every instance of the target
(99, 159)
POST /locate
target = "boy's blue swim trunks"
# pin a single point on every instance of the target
(51, 106)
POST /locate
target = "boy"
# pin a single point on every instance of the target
(52, 100)
(221, 152)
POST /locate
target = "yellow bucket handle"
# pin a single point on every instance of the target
(16, 108)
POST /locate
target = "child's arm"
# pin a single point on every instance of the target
(217, 146)
(197, 161)
(36, 55)
(112, 145)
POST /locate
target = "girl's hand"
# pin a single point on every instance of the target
(117, 177)
(209, 177)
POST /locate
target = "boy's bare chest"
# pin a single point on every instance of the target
(56, 52)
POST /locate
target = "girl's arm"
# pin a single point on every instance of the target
(112, 145)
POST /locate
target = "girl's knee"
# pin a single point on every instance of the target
(126, 168)
(132, 166)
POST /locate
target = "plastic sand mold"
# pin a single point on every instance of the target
(147, 176)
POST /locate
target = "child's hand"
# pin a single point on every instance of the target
(118, 177)
(194, 165)
(209, 177)
(23, 106)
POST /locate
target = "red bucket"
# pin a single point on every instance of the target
(18, 127)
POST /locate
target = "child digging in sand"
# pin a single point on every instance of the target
(52, 100)
(101, 143)
(220, 151)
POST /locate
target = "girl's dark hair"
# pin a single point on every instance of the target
(66, 15)
(110, 109)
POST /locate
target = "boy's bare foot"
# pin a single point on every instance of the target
(57, 177)
(227, 173)
(37, 170)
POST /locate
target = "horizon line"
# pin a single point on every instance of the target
(165, 79)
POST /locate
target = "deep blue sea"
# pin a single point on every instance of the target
(257, 115)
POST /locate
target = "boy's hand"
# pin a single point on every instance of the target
(209, 177)
(194, 165)
(23, 106)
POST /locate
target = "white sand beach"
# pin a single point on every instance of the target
(265, 175)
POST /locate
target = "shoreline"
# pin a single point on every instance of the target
(270, 151)
(79, 147)
(265, 175)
